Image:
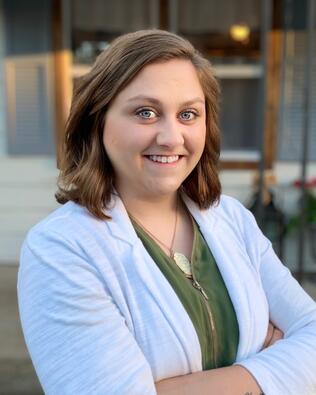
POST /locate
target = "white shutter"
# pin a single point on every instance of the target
(290, 138)
(30, 109)
(28, 76)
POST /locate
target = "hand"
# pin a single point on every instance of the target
(273, 335)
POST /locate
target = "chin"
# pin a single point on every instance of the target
(164, 190)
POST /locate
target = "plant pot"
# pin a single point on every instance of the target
(312, 239)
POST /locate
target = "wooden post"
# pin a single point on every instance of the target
(273, 96)
(62, 76)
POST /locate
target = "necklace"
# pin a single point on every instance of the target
(180, 259)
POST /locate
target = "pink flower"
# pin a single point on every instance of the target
(311, 183)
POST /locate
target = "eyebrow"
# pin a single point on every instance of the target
(157, 101)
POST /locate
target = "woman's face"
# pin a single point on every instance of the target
(154, 131)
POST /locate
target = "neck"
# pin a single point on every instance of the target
(147, 207)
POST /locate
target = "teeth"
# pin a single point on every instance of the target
(164, 159)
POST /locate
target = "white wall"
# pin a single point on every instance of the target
(239, 184)
(27, 187)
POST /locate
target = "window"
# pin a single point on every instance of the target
(226, 32)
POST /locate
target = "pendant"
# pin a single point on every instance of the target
(183, 263)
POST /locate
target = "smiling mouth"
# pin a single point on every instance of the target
(164, 158)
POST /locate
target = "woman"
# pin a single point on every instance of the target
(147, 279)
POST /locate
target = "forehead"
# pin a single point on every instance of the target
(176, 77)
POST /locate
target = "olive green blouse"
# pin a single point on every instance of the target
(210, 308)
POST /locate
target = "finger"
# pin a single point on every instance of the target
(277, 335)
(269, 335)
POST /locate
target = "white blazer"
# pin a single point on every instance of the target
(100, 318)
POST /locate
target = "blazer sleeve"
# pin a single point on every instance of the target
(77, 338)
(289, 365)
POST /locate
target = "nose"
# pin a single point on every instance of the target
(170, 134)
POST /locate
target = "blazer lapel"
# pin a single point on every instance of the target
(238, 274)
(157, 286)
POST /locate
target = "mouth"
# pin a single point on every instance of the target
(164, 159)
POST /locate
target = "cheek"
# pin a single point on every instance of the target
(198, 138)
(112, 134)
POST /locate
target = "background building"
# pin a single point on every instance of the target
(45, 45)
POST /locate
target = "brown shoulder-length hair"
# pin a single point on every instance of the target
(86, 174)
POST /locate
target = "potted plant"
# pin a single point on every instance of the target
(310, 210)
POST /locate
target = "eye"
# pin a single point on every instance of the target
(188, 115)
(146, 113)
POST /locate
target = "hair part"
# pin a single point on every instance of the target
(86, 174)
